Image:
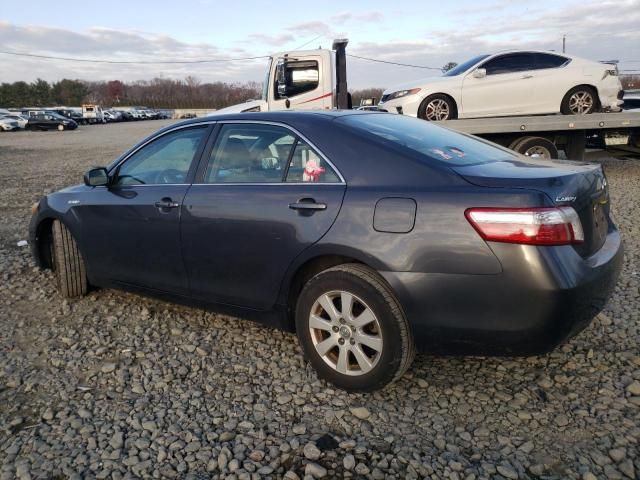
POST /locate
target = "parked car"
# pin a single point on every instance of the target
(124, 115)
(510, 83)
(49, 121)
(19, 119)
(69, 113)
(8, 125)
(369, 234)
(112, 116)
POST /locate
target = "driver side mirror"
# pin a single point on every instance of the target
(97, 177)
(480, 73)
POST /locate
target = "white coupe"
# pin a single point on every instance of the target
(510, 83)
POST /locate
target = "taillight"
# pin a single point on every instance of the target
(530, 226)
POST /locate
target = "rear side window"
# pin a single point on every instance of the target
(548, 60)
(435, 144)
(511, 62)
(309, 167)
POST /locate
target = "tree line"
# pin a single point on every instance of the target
(158, 93)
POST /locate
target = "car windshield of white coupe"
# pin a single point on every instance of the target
(463, 67)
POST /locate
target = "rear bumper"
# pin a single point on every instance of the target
(610, 94)
(543, 297)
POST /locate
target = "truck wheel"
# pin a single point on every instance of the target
(535, 147)
(437, 107)
(580, 101)
(68, 263)
(352, 329)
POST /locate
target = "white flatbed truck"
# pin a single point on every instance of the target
(317, 80)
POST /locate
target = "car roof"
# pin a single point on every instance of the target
(550, 52)
(290, 116)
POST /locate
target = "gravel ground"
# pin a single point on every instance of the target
(115, 385)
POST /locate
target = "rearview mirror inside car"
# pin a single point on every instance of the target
(479, 73)
(96, 177)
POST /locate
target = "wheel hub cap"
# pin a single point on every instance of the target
(345, 333)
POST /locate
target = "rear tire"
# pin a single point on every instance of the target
(68, 263)
(535, 147)
(581, 100)
(366, 342)
(437, 107)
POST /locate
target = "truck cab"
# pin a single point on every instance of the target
(301, 80)
(92, 113)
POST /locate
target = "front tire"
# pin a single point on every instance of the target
(581, 100)
(68, 263)
(352, 329)
(437, 108)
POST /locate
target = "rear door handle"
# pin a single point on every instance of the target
(527, 76)
(307, 205)
(167, 203)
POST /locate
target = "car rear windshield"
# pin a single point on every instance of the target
(433, 142)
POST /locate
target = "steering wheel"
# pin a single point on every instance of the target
(170, 176)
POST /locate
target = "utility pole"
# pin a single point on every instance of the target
(564, 43)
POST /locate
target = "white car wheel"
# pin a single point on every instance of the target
(437, 108)
(580, 101)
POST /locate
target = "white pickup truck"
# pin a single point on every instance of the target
(317, 80)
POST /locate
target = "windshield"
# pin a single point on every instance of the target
(463, 67)
(433, 142)
(265, 84)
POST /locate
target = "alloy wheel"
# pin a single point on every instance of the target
(436, 110)
(581, 102)
(345, 333)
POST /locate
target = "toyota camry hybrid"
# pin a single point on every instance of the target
(370, 235)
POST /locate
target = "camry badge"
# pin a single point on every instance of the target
(565, 199)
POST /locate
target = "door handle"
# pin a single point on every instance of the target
(167, 203)
(527, 76)
(307, 205)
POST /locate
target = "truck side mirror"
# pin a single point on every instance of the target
(281, 78)
(480, 73)
(97, 177)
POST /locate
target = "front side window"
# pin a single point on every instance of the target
(249, 153)
(509, 63)
(309, 167)
(165, 160)
(301, 77)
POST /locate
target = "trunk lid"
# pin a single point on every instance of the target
(582, 186)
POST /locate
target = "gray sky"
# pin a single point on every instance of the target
(428, 33)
